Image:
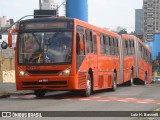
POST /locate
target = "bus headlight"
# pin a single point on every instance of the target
(65, 72)
(22, 73)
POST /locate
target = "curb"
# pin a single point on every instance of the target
(17, 94)
(4, 96)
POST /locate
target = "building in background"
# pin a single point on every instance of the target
(49, 5)
(139, 23)
(151, 18)
(154, 46)
(4, 22)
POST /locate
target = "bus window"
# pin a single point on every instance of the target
(140, 50)
(126, 47)
(102, 45)
(150, 58)
(77, 43)
(80, 44)
(129, 47)
(143, 53)
(116, 47)
(89, 44)
(132, 47)
(45, 47)
(95, 44)
(146, 56)
(107, 45)
(112, 47)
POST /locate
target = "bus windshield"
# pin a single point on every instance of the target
(45, 47)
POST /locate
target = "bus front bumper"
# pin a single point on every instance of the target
(46, 83)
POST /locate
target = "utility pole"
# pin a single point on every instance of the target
(40, 5)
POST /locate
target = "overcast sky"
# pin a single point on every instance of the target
(102, 13)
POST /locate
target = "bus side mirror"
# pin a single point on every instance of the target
(4, 45)
(10, 32)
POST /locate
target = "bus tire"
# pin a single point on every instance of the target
(39, 93)
(114, 82)
(131, 79)
(145, 80)
(87, 92)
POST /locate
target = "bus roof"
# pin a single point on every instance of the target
(95, 28)
(77, 21)
(48, 19)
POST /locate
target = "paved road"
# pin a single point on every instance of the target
(135, 98)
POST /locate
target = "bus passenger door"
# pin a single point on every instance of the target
(96, 37)
(80, 52)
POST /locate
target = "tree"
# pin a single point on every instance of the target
(123, 31)
(132, 33)
(120, 30)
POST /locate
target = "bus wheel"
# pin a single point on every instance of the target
(87, 92)
(131, 79)
(39, 93)
(145, 80)
(114, 82)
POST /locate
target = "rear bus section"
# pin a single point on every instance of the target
(143, 63)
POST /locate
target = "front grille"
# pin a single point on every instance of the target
(46, 83)
(56, 86)
(31, 87)
(43, 71)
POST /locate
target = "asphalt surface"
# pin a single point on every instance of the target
(135, 98)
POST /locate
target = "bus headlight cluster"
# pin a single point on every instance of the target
(22, 73)
(65, 72)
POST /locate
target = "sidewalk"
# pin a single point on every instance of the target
(7, 89)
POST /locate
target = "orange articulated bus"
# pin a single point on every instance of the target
(69, 54)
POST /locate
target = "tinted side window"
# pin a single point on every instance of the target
(108, 45)
(89, 44)
(95, 44)
(102, 45)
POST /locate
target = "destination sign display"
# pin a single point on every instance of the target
(45, 25)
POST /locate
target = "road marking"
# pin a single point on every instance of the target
(97, 97)
(141, 102)
(104, 99)
(112, 97)
(131, 100)
(149, 99)
(122, 100)
(85, 99)
(23, 96)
